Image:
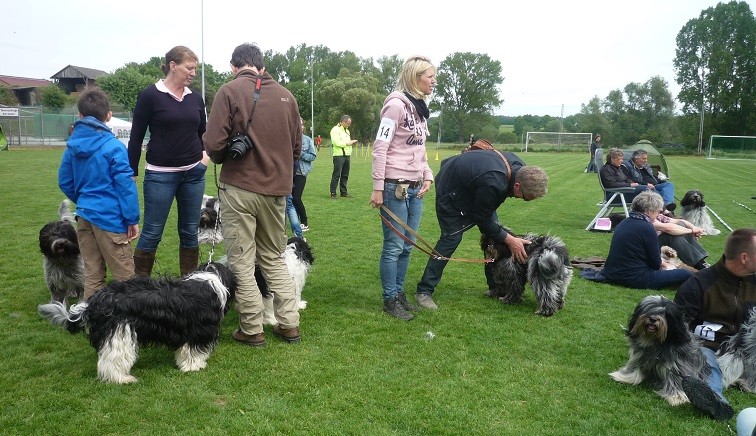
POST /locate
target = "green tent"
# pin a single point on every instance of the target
(655, 158)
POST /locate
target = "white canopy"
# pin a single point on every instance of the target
(121, 129)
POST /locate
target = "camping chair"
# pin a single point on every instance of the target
(612, 197)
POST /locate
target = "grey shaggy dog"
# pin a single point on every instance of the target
(548, 270)
(662, 350)
(737, 357)
(693, 209)
(62, 264)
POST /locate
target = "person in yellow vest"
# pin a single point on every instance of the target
(342, 142)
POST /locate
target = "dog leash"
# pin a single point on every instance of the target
(427, 249)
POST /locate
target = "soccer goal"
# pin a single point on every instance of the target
(557, 140)
(732, 147)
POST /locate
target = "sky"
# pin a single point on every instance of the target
(555, 56)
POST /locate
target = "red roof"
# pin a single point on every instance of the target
(14, 82)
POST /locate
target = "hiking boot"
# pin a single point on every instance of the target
(402, 297)
(703, 398)
(393, 307)
(256, 340)
(289, 335)
(425, 301)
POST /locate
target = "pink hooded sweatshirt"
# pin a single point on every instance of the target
(399, 148)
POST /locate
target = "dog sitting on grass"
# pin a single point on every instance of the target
(63, 265)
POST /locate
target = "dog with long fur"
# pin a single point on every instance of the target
(662, 350)
(183, 314)
(737, 356)
(693, 209)
(62, 263)
(299, 259)
(548, 270)
(209, 230)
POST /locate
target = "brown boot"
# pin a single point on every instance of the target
(143, 262)
(188, 258)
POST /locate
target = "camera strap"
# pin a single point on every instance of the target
(255, 97)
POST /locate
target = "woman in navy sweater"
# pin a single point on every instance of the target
(175, 117)
(634, 258)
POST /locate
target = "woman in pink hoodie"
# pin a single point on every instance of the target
(401, 175)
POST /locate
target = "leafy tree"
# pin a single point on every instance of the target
(125, 84)
(714, 63)
(388, 71)
(8, 97)
(356, 95)
(53, 97)
(467, 92)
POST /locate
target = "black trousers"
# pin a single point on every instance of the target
(296, 197)
(340, 174)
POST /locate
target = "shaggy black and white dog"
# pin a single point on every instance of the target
(548, 270)
(662, 350)
(737, 357)
(183, 314)
(693, 209)
(62, 264)
(298, 257)
(209, 230)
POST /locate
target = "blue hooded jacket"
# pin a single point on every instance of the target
(96, 175)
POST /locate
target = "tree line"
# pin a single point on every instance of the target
(714, 64)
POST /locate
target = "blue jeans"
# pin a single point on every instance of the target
(396, 251)
(291, 212)
(715, 378)
(664, 278)
(667, 192)
(159, 190)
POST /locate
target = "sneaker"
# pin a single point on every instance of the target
(703, 398)
(702, 264)
(393, 307)
(257, 340)
(289, 335)
(402, 297)
(333, 196)
(305, 227)
(425, 301)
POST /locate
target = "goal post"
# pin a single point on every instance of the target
(558, 140)
(731, 147)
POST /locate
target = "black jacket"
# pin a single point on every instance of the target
(473, 185)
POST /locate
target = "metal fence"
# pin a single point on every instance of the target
(37, 126)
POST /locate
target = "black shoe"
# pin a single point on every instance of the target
(346, 195)
(333, 196)
(701, 265)
(671, 207)
(703, 398)
(393, 307)
(406, 305)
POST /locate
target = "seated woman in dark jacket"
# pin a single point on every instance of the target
(634, 258)
(612, 175)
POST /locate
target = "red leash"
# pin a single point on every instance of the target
(428, 249)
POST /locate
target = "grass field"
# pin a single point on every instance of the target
(491, 369)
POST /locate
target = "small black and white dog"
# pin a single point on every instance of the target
(62, 264)
(183, 314)
(548, 270)
(209, 230)
(694, 210)
(662, 350)
(298, 257)
(737, 356)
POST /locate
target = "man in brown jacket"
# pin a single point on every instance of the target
(253, 188)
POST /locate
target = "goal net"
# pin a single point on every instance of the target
(732, 147)
(540, 141)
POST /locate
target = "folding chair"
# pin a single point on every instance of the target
(612, 197)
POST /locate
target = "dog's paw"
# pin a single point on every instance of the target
(302, 305)
(510, 299)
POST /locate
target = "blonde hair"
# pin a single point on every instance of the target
(413, 68)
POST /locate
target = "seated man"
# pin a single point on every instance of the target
(612, 175)
(638, 171)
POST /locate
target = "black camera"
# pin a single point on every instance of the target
(238, 146)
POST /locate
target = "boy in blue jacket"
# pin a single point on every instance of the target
(96, 175)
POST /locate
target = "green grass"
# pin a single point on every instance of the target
(491, 369)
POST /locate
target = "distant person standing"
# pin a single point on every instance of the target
(595, 145)
(341, 141)
(302, 168)
(318, 141)
(402, 176)
(176, 118)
